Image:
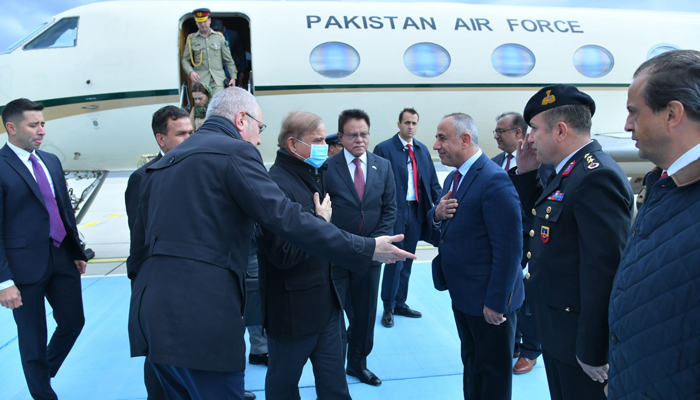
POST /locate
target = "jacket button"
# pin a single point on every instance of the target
(534, 212)
(532, 233)
(527, 276)
(567, 309)
(546, 216)
(613, 338)
(549, 209)
(529, 255)
(442, 241)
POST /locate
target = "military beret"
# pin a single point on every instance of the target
(332, 139)
(554, 96)
(201, 14)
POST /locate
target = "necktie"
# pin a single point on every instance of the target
(56, 228)
(359, 185)
(455, 183)
(664, 175)
(415, 170)
(509, 157)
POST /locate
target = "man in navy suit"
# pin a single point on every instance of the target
(40, 252)
(188, 298)
(511, 127)
(361, 187)
(417, 189)
(171, 126)
(479, 257)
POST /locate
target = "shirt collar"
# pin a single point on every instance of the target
(468, 164)
(404, 143)
(21, 153)
(349, 157)
(682, 161)
(566, 160)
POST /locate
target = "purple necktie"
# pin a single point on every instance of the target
(455, 183)
(359, 185)
(510, 157)
(56, 228)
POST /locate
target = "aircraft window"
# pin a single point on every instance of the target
(660, 48)
(513, 60)
(593, 61)
(426, 60)
(63, 33)
(334, 59)
(25, 38)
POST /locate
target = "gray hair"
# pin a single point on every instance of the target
(229, 102)
(673, 75)
(463, 123)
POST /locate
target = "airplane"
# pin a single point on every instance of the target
(102, 69)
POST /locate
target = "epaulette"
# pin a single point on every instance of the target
(591, 161)
(218, 33)
(190, 35)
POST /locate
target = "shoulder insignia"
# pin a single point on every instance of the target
(568, 169)
(190, 35)
(218, 33)
(592, 162)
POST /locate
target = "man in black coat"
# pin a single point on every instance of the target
(40, 253)
(361, 186)
(191, 239)
(580, 223)
(301, 306)
(171, 126)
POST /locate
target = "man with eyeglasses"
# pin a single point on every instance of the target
(511, 127)
(190, 248)
(361, 187)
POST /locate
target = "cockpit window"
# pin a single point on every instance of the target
(25, 38)
(63, 33)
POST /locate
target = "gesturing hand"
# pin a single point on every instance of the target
(446, 208)
(323, 209)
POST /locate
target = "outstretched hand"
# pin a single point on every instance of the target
(386, 252)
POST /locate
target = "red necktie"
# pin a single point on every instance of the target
(455, 183)
(510, 157)
(415, 170)
(664, 175)
(56, 228)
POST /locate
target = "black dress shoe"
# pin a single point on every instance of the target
(407, 312)
(248, 395)
(388, 319)
(257, 359)
(365, 376)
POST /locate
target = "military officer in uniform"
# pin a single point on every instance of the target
(206, 52)
(581, 220)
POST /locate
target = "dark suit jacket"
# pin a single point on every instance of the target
(191, 241)
(480, 248)
(24, 227)
(580, 225)
(429, 187)
(131, 195)
(377, 208)
(297, 290)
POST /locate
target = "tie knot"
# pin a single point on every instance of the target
(409, 146)
(510, 156)
(357, 162)
(32, 158)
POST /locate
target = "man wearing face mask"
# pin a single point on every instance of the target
(301, 308)
(362, 187)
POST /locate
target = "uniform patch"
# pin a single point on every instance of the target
(556, 196)
(544, 234)
(568, 169)
(549, 99)
(592, 164)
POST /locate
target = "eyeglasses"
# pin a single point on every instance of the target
(261, 126)
(354, 136)
(500, 131)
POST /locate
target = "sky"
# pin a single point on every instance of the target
(21, 16)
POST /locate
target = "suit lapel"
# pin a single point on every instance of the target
(371, 170)
(344, 172)
(578, 156)
(16, 164)
(56, 174)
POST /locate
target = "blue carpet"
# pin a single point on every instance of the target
(416, 359)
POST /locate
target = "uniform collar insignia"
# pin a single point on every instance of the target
(568, 169)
